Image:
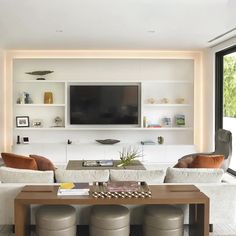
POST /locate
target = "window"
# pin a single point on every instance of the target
(225, 96)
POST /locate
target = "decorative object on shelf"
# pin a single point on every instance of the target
(165, 100)
(160, 139)
(69, 142)
(40, 73)
(25, 140)
(148, 142)
(180, 100)
(18, 139)
(144, 122)
(24, 98)
(22, 121)
(151, 101)
(153, 126)
(127, 155)
(166, 122)
(107, 141)
(48, 98)
(58, 121)
(120, 189)
(37, 123)
(180, 120)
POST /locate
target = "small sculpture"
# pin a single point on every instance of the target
(180, 100)
(160, 139)
(58, 121)
(40, 72)
(165, 100)
(151, 100)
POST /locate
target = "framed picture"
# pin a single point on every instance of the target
(22, 121)
(180, 120)
(166, 122)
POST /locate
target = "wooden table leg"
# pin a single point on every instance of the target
(22, 219)
(199, 219)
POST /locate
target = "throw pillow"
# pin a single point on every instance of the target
(18, 161)
(43, 163)
(207, 161)
(185, 162)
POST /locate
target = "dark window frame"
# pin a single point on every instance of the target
(219, 89)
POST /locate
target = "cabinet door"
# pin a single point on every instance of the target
(85, 152)
(53, 151)
(166, 153)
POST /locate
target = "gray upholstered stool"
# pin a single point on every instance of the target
(163, 220)
(110, 220)
(56, 220)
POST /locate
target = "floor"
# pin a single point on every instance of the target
(219, 230)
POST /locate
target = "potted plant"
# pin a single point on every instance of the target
(127, 155)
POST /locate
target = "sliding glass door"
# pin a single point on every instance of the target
(226, 96)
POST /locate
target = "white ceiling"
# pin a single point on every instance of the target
(114, 24)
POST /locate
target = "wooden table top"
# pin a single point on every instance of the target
(161, 194)
(78, 165)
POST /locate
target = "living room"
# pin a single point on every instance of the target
(92, 81)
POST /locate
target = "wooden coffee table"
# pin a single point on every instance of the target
(161, 194)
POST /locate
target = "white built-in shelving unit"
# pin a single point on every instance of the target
(169, 77)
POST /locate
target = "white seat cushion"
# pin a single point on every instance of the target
(13, 175)
(193, 175)
(81, 176)
(149, 176)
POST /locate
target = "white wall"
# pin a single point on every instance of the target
(209, 92)
(1, 101)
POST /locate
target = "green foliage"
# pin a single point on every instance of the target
(230, 86)
(128, 155)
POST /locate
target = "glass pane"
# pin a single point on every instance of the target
(229, 119)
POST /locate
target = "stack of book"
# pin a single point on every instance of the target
(66, 189)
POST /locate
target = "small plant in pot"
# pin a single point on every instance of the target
(127, 155)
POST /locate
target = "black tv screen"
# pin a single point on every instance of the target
(104, 104)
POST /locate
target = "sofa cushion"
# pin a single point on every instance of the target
(18, 161)
(81, 176)
(43, 163)
(149, 176)
(207, 161)
(13, 175)
(185, 162)
(192, 175)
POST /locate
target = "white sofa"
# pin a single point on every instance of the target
(222, 195)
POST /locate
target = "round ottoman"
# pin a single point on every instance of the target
(109, 220)
(163, 220)
(56, 220)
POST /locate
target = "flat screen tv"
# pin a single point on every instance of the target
(104, 104)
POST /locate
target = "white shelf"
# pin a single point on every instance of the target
(167, 105)
(169, 81)
(40, 81)
(110, 128)
(40, 105)
(108, 81)
(42, 129)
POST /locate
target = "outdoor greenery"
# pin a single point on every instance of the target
(230, 86)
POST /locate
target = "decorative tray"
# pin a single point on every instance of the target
(120, 189)
(98, 163)
(108, 141)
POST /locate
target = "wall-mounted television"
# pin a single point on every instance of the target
(104, 104)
